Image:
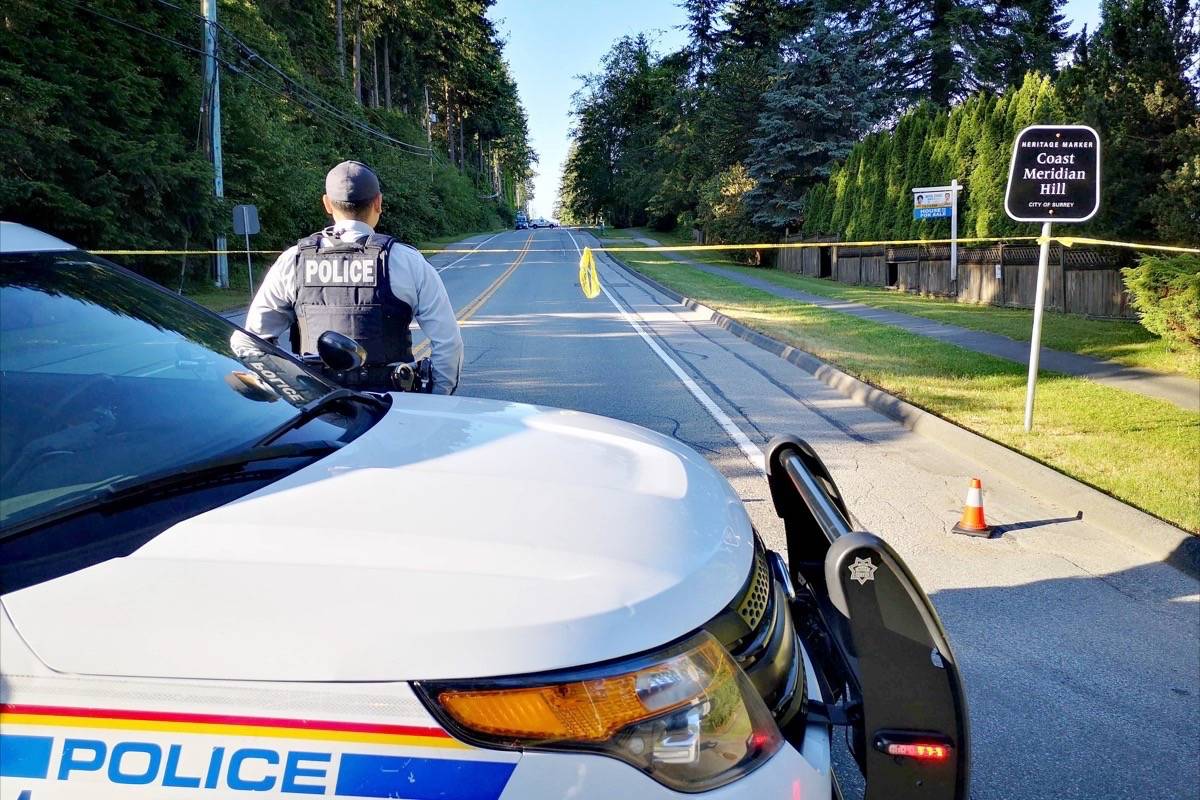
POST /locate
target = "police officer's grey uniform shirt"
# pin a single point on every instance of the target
(412, 280)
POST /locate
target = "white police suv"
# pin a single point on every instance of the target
(225, 577)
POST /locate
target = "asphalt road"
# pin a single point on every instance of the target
(1081, 655)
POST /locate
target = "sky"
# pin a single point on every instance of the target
(552, 42)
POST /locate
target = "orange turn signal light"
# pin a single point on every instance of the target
(590, 710)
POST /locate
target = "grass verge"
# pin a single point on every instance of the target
(1143, 451)
(621, 235)
(1125, 343)
(236, 296)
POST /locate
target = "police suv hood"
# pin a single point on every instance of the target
(456, 538)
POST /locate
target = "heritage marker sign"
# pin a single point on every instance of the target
(1054, 175)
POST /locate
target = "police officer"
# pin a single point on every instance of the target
(366, 285)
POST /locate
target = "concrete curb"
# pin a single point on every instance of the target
(1144, 531)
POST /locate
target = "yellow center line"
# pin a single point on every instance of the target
(422, 350)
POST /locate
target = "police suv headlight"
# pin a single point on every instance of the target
(687, 716)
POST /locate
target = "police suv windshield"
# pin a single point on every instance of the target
(105, 377)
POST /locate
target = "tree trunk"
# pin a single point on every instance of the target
(341, 40)
(428, 120)
(387, 74)
(449, 120)
(374, 73)
(462, 145)
(356, 67)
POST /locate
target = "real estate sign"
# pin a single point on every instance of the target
(933, 202)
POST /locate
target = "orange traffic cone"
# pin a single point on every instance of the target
(972, 522)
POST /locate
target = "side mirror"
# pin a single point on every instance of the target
(339, 352)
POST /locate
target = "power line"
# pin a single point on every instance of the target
(293, 84)
(317, 104)
(133, 27)
(319, 107)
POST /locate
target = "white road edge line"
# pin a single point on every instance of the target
(749, 449)
(467, 255)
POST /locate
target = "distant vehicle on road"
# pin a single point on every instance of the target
(522, 222)
(222, 568)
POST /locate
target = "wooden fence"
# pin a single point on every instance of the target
(1080, 280)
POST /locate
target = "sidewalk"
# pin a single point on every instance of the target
(1180, 390)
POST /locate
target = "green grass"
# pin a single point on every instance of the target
(216, 299)
(1143, 451)
(236, 296)
(1126, 343)
(619, 235)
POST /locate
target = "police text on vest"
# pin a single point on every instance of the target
(339, 272)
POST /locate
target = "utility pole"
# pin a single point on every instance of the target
(387, 73)
(212, 79)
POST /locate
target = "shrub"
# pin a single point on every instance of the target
(1166, 295)
(723, 214)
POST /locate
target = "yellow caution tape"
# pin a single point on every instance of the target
(257, 252)
(589, 281)
(446, 250)
(802, 245)
(1071, 241)
(1066, 241)
(182, 252)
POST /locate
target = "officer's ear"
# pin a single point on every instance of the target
(325, 201)
(377, 204)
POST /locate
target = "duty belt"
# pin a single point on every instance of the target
(403, 377)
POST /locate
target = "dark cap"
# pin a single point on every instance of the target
(351, 182)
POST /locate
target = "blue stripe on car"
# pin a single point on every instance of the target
(421, 778)
(25, 756)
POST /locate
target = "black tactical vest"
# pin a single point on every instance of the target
(344, 287)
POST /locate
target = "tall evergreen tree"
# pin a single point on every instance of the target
(742, 71)
(702, 27)
(102, 97)
(944, 50)
(1134, 87)
(821, 103)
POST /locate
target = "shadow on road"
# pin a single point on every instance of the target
(1078, 688)
(1001, 530)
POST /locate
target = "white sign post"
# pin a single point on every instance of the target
(1035, 339)
(954, 231)
(1054, 176)
(940, 202)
